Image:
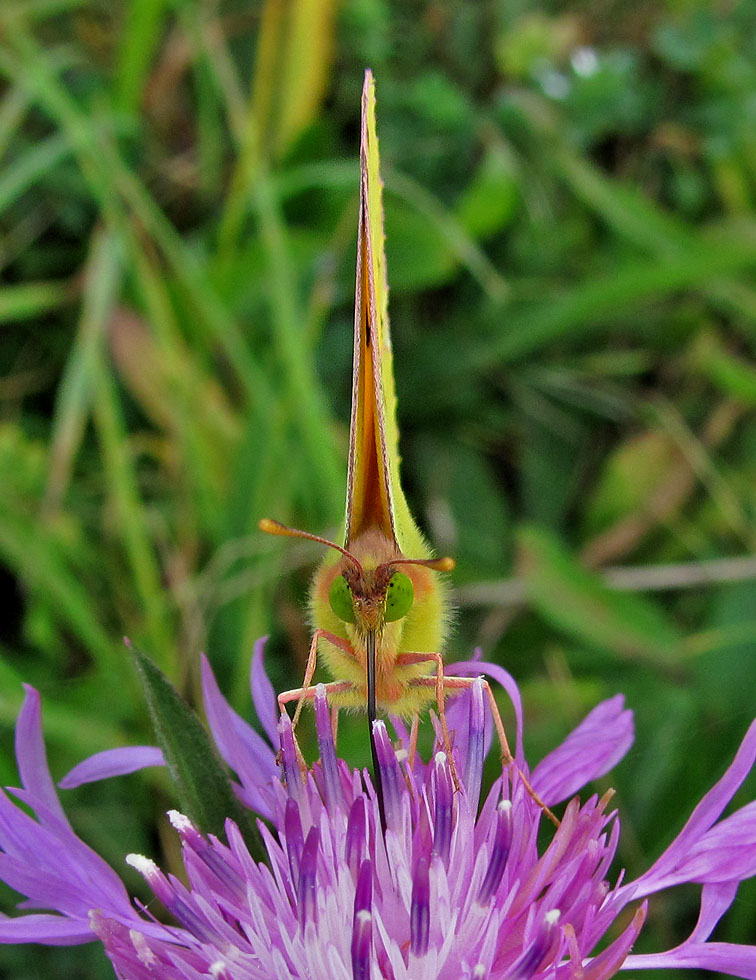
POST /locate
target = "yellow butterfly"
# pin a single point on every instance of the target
(379, 604)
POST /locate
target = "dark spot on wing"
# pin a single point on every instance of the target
(368, 333)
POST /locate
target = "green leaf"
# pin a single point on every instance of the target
(28, 300)
(552, 452)
(490, 200)
(733, 375)
(592, 306)
(417, 255)
(631, 474)
(578, 603)
(204, 788)
(139, 38)
(476, 522)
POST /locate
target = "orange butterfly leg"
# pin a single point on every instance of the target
(335, 723)
(302, 694)
(439, 682)
(299, 694)
(507, 759)
(413, 740)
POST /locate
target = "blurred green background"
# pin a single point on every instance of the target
(571, 244)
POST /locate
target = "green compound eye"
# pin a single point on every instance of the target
(340, 598)
(399, 597)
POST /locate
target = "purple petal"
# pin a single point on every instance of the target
(475, 750)
(290, 763)
(362, 924)
(500, 846)
(32, 757)
(356, 835)
(665, 869)
(614, 957)
(391, 777)
(420, 909)
(52, 930)
(590, 751)
(442, 825)
(334, 798)
(112, 762)
(401, 730)
(715, 900)
(263, 695)
(726, 959)
(726, 853)
(474, 668)
(246, 752)
(307, 890)
(49, 848)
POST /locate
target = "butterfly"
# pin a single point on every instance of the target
(379, 603)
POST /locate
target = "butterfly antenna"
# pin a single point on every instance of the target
(269, 526)
(437, 564)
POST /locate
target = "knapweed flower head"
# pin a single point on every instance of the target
(454, 888)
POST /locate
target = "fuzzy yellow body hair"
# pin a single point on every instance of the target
(422, 630)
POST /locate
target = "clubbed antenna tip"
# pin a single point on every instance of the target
(270, 526)
(445, 564)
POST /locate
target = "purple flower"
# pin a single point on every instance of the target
(450, 891)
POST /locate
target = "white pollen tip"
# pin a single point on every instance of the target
(401, 755)
(320, 691)
(439, 758)
(553, 917)
(179, 821)
(364, 917)
(479, 973)
(504, 806)
(217, 970)
(146, 956)
(144, 865)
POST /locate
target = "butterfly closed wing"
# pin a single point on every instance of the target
(379, 603)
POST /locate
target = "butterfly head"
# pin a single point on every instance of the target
(364, 593)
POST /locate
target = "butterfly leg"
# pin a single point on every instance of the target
(302, 694)
(334, 723)
(413, 739)
(299, 694)
(507, 759)
(439, 682)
